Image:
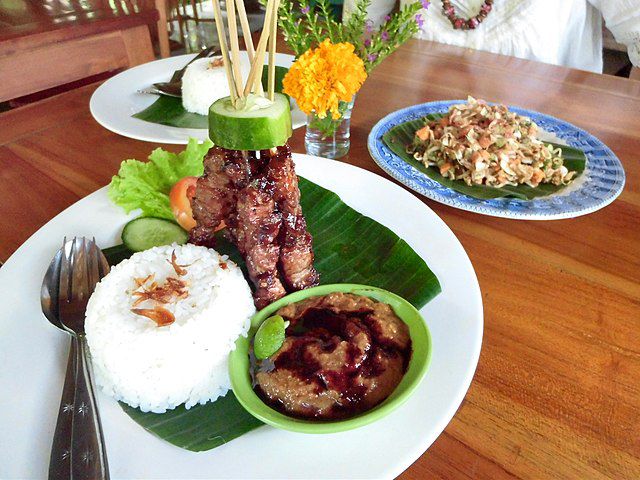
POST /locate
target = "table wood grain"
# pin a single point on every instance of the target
(557, 389)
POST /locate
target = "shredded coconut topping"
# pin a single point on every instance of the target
(485, 144)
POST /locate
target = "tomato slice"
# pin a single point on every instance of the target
(180, 199)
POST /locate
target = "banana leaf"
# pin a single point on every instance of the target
(398, 137)
(349, 248)
(200, 428)
(169, 110)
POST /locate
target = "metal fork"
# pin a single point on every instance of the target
(81, 267)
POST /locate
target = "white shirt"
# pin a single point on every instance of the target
(561, 32)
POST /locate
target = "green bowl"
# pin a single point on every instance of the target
(418, 364)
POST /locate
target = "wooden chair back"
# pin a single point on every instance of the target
(37, 57)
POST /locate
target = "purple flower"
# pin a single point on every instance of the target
(425, 3)
(368, 26)
(305, 10)
(367, 42)
(419, 21)
(387, 18)
(372, 57)
(384, 36)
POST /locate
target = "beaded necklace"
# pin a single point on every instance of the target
(460, 23)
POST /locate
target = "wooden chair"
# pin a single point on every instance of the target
(186, 14)
(163, 33)
(46, 52)
(161, 29)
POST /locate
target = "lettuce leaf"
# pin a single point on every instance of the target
(146, 185)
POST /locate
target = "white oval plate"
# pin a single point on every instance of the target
(34, 356)
(117, 99)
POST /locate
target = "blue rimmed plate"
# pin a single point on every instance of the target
(598, 186)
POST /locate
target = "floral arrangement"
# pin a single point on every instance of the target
(334, 58)
(305, 26)
(324, 80)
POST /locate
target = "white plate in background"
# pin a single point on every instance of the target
(117, 99)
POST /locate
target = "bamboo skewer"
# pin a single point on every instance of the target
(246, 31)
(267, 26)
(273, 27)
(258, 60)
(231, 60)
(222, 37)
(246, 34)
(235, 49)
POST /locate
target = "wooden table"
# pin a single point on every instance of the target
(557, 389)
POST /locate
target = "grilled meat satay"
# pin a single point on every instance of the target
(238, 169)
(215, 198)
(258, 201)
(296, 252)
(258, 229)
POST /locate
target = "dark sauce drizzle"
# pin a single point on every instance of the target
(328, 329)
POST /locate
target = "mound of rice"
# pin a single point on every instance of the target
(203, 83)
(158, 368)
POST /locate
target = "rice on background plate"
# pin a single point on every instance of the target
(205, 81)
(157, 368)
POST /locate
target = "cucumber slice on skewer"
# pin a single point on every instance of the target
(259, 125)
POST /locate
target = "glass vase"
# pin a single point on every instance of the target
(328, 137)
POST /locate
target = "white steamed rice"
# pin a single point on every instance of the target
(203, 84)
(158, 368)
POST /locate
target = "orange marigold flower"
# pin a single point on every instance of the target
(324, 76)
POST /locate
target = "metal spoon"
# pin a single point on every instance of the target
(78, 267)
(157, 91)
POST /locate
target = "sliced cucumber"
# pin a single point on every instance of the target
(259, 125)
(147, 232)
